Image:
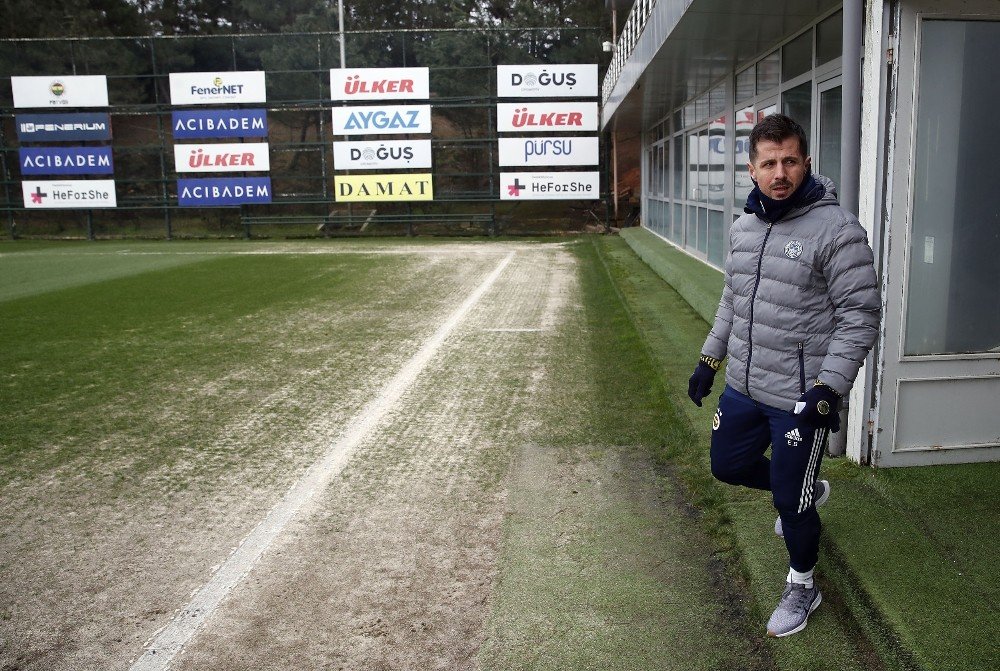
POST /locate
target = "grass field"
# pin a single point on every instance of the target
(479, 419)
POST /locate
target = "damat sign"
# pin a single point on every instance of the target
(66, 161)
(225, 191)
(190, 125)
(63, 127)
(382, 120)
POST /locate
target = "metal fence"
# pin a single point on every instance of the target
(463, 95)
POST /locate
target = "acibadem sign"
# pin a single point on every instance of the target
(383, 188)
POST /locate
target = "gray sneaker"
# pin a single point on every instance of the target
(792, 613)
(821, 492)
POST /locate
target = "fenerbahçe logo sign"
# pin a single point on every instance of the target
(54, 91)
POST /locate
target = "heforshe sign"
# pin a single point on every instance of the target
(69, 194)
(547, 81)
(379, 84)
(210, 88)
(550, 185)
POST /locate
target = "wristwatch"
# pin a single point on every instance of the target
(823, 407)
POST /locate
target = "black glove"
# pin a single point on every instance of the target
(822, 409)
(700, 383)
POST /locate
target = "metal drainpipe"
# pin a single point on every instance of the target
(850, 143)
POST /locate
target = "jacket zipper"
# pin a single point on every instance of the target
(802, 370)
(753, 297)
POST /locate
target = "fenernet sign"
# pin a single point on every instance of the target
(381, 155)
(66, 161)
(69, 194)
(547, 81)
(63, 127)
(550, 185)
(223, 191)
(382, 120)
(210, 88)
(222, 157)
(546, 151)
(379, 84)
(190, 125)
(70, 91)
(383, 188)
(546, 117)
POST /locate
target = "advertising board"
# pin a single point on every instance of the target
(550, 185)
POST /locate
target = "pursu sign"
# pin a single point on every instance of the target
(547, 81)
(546, 151)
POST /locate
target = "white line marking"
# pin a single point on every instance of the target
(165, 644)
(525, 330)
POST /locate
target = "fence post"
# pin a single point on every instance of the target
(90, 224)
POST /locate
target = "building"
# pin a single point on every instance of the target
(896, 96)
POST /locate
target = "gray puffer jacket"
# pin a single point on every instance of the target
(801, 303)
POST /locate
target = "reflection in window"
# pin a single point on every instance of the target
(716, 163)
(952, 301)
(742, 184)
(678, 167)
(716, 237)
(745, 84)
(828, 162)
(767, 73)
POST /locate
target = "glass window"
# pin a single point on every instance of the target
(678, 228)
(742, 184)
(745, 84)
(716, 146)
(796, 56)
(830, 38)
(717, 101)
(693, 186)
(665, 169)
(678, 167)
(952, 301)
(797, 103)
(767, 73)
(691, 230)
(716, 237)
(828, 161)
(702, 245)
(704, 175)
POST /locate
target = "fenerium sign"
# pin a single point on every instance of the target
(66, 161)
(63, 127)
(189, 125)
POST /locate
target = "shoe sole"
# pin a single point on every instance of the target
(820, 501)
(814, 606)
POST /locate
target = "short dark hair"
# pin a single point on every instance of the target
(777, 128)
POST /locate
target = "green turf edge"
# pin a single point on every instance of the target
(699, 284)
(739, 520)
(898, 587)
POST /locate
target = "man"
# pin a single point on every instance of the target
(799, 313)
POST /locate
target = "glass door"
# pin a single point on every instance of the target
(937, 395)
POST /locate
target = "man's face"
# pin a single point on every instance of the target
(779, 168)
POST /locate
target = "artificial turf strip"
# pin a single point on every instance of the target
(602, 568)
(916, 569)
(741, 520)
